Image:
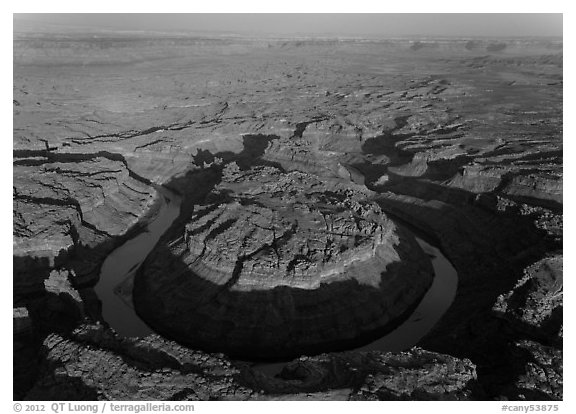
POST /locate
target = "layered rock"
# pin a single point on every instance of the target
(412, 375)
(277, 264)
(538, 186)
(299, 154)
(512, 182)
(93, 363)
(65, 204)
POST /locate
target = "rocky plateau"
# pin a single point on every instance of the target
(305, 169)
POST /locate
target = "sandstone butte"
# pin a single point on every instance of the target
(277, 264)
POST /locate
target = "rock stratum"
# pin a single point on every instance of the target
(277, 264)
(101, 366)
(272, 145)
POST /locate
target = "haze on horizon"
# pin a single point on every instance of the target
(374, 24)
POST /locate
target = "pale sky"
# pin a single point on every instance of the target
(388, 24)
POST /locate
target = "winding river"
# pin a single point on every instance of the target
(115, 287)
(433, 305)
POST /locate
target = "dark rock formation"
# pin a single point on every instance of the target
(26, 346)
(93, 363)
(535, 303)
(277, 264)
(540, 372)
(411, 375)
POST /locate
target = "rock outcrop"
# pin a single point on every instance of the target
(93, 363)
(535, 304)
(412, 375)
(540, 372)
(276, 264)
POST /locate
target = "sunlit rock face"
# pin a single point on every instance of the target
(273, 264)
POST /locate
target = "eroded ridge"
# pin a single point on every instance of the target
(274, 263)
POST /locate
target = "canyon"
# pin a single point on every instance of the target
(242, 201)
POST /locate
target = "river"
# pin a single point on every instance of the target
(114, 288)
